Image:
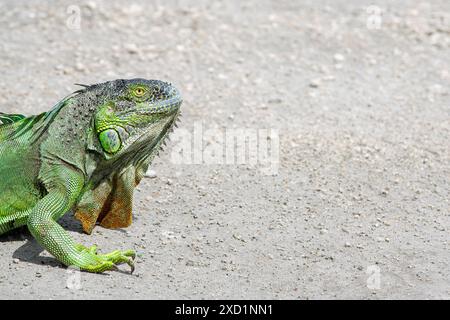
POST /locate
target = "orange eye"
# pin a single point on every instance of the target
(139, 92)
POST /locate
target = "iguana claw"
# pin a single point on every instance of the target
(93, 262)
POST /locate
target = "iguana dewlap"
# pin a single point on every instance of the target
(87, 154)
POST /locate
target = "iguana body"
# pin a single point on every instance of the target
(87, 155)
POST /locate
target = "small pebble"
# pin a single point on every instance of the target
(150, 174)
(132, 48)
(315, 83)
(338, 57)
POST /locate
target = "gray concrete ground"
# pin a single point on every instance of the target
(358, 93)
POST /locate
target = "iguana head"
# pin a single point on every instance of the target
(129, 119)
(133, 115)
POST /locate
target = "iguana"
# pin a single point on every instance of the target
(86, 155)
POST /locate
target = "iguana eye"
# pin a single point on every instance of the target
(139, 92)
(110, 141)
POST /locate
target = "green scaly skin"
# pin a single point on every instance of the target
(87, 154)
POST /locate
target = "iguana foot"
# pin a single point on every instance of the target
(90, 261)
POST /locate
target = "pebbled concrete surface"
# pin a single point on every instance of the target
(359, 96)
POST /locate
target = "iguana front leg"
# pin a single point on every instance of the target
(64, 186)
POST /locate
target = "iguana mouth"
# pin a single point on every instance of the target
(166, 106)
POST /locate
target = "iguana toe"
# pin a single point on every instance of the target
(93, 262)
(120, 257)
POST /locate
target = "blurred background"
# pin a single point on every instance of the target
(357, 95)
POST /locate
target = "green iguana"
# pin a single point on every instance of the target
(87, 154)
